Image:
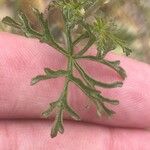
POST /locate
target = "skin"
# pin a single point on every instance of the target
(21, 126)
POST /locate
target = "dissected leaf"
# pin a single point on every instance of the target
(99, 108)
(102, 109)
(95, 96)
(26, 27)
(92, 93)
(106, 37)
(39, 78)
(93, 82)
(53, 74)
(110, 101)
(114, 65)
(49, 74)
(58, 124)
(46, 32)
(51, 107)
(102, 33)
(73, 11)
(11, 22)
(71, 112)
(107, 111)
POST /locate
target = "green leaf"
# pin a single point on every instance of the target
(110, 101)
(113, 65)
(93, 94)
(102, 33)
(116, 67)
(51, 107)
(99, 108)
(73, 11)
(106, 37)
(90, 92)
(26, 27)
(58, 124)
(39, 78)
(46, 32)
(11, 22)
(93, 82)
(53, 74)
(102, 109)
(47, 35)
(49, 74)
(107, 111)
(71, 112)
(116, 63)
(23, 25)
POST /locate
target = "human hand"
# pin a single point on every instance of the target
(21, 126)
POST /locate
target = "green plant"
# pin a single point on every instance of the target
(101, 32)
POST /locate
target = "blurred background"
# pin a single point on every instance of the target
(132, 16)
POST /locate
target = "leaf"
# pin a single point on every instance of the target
(54, 74)
(51, 107)
(47, 35)
(26, 27)
(110, 101)
(92, 93)
(83, 75)
(103, 110)
(107, 111)
(44, 23)
(106, 37)
(116, 67)
(49, 74)
(58, 124)
(71, 112)
(117, 62)
(99, 108)
(101, 34)
(93, 82)
(73, 12)
(39, 78)
(11, 22)
(23, 25)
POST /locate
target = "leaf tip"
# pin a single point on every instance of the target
(115, 102)
(119, 84)
(53, 134)
(33, 81)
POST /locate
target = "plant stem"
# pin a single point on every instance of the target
(63, 96)
(69, 65)
(69, 41)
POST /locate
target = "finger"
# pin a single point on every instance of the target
(22, 59)
(31, 135)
